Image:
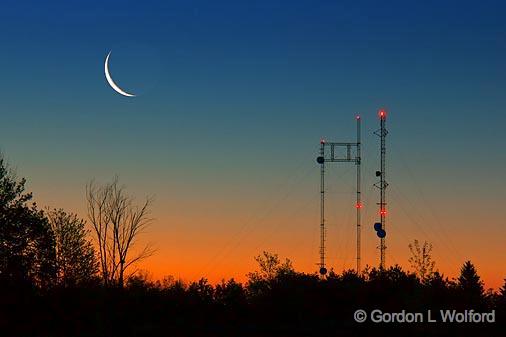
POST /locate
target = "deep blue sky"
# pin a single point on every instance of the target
(234, 96)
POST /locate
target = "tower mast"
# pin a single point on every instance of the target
(333, 152)
(321, 161)
(382, 185)
(359, 201)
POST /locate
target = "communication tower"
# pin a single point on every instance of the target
(382, 185)
(332, 152)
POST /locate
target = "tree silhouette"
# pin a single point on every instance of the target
(26, 242)
(269, 267)
(117, 223)
(201, 290)
(421, 260)
(230, 294)
(502, 291)
(501, 297)
(470, 285)
(76, 262)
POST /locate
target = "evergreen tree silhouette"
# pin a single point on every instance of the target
(470, 285)
(501, 296)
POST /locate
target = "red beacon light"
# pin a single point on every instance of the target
(383, 212)
(322, 141)
(358, 205)
(382, 114)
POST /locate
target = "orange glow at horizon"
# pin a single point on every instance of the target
(217, 256)
(215, 231)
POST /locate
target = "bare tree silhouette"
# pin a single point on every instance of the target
(117, 223)
(421, 260)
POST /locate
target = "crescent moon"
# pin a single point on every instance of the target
(111, 82)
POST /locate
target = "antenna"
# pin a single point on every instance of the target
(382, 185)
(332, 156)
(321, 161)
(358, 205)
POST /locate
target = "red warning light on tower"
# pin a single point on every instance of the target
(383, 212)
(322, 141)
(358, 205)
(382, 114)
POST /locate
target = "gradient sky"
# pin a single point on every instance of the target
(233, 99)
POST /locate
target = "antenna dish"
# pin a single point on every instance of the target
(381, 233)
(377, 226)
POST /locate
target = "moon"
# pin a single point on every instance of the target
(111, 82)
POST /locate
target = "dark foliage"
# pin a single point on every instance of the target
(39, 298)
(291, 304)
(470, 287)
(26, 241)
(75, 257)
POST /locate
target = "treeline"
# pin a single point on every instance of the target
(275, 301)
(54, 282)
(47, 248)
(40, 248)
